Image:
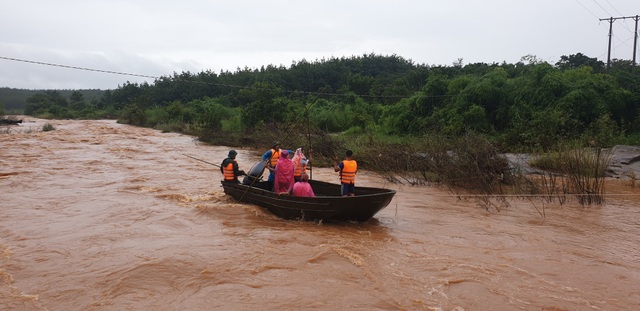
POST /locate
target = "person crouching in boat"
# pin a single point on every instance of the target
(300, 163)
(230, 168)
(347, 168)
(284, 170)
(302, 188)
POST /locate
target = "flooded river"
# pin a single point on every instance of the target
(97, 215)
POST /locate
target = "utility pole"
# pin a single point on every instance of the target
(635, 39)
(611, 20)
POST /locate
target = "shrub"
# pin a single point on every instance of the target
(48, 127)
(582, 171)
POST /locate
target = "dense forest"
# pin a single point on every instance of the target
(14, 100)
(529, 105)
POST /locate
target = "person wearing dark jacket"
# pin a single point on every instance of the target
(230, 168)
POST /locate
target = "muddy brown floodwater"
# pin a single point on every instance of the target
(97, 215)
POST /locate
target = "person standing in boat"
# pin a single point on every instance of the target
(302, 188)
(283, 172)
(230, 168)
(347, 168)
(300, 163)
(271, 157)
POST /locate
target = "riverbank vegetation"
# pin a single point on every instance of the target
(446, 124)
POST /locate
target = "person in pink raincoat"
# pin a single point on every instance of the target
(300, 164)
(303, 188)
(284, 174)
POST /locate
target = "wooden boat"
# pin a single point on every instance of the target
(328, 205)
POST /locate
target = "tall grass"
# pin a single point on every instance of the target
(585, 170)
(580, 171)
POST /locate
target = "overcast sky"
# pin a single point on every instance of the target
(158, 38)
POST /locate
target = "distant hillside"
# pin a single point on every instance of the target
(15, 99)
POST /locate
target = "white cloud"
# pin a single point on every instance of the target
(161, 37)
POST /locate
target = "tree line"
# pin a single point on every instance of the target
(529, 105)
(14, 100)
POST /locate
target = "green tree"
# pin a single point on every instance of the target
(210, 114)
(47, 103)
(76, 101)
(264, 105)
(578, 60)
(603, 132)
(475, 120)
(433, 95)
(549, 126)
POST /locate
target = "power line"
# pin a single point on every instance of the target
(625, 42)
(625, 25)
(537, 195)
(610, 30)
(613, 19)
(580, 3)
(78, 68)
(614, 7)
(605, 10)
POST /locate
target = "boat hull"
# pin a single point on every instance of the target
(328, 205)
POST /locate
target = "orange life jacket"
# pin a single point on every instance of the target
(300, 169)
(275, 155)
(228, 171)
(348, 172)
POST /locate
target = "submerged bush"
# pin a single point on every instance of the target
(48, 127)
(471, 162)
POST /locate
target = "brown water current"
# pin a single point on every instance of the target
(97, 215)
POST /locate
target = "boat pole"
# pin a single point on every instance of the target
(201, 160)
(310, 147)
(245, 192)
